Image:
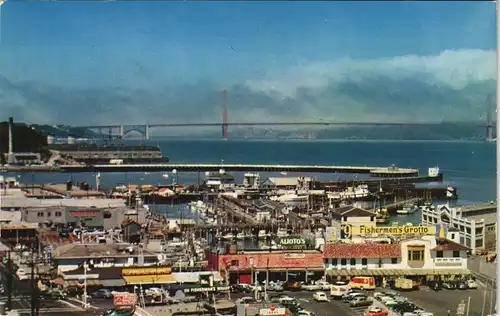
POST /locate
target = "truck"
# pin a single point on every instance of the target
(405, 284)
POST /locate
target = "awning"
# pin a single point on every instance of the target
(76, 283)
(395, 272)
(113, 282)
(150, 279)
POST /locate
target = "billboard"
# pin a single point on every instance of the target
(124, 300)
(293, 242)
(146, 271)
(347, 231)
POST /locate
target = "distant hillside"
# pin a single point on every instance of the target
(25, 139)
(64, 131)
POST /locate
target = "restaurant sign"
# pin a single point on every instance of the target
(271, 311)
(293, 242)
(146, 271)
(207, 289)
(124, 300)
(348, 230)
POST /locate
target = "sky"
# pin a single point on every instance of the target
(96, 62)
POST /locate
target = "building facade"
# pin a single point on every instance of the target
(476, 224)
(422, 259)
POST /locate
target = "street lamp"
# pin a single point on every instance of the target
(176, 179)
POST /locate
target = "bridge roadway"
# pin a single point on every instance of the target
(321, 123)
(376, 171)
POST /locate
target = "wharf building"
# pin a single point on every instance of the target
(421, 259)
(475, 224)
(106, 154)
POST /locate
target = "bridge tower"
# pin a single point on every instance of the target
(489, 128)
(224, 115)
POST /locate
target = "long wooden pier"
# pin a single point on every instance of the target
(389, 172)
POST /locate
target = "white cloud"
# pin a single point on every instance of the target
(454, 69)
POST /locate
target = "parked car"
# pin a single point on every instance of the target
(360, 301)
(102, 293)
(311, 287)
(246, 300)
(471, 284)
(376, 311)
(449, 286)
(320, 297)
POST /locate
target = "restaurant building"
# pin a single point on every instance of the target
(250, 266)
(421, 259)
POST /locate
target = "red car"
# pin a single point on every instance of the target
(376, 311)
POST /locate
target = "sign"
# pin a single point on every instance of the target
(293, 242)
(207, 289)
(146, 271)
(124, 299)
(85, 213)
(272, 311)
(348, 230)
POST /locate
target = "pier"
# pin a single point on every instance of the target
(398, 204)
(389, 172)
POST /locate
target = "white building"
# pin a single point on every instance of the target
(423, 258)
(475, 223)
(349, 215)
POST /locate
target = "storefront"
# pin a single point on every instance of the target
(249, 267)
(148, 275)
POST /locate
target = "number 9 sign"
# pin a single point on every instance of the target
(346, 231)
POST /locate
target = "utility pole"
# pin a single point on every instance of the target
(33, 285)
(9, 281)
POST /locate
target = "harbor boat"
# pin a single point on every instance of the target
(241, 236)
(407, 210)
(282, 233)
(382, 216)
(264, 235)
(228, 236)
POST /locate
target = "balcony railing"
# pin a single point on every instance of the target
(448, 261)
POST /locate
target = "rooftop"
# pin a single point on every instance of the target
(351, 211)
(348, 251)
(444, 244)
(71, 251)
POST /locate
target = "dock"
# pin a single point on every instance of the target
(398, 204)
(389, 172)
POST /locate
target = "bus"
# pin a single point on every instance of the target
(362, 283)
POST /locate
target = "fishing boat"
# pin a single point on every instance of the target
(382, 216)
(228, 236)
(242, 236)
(281, 233)
(407, 210)
(264, 235)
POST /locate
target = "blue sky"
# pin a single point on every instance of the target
(340, 55)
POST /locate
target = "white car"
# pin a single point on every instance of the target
(320, 297)
(471, 284)
(323, 285)
(310, 287)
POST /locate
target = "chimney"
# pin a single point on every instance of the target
(11, 148)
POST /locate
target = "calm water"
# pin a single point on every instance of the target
(469, 166)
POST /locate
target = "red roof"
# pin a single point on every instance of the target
(348, 251)
(53, 238)
(272, 260)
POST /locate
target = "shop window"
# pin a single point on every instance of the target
(479, 230)
(352, 262)
(58, 214)
(343, 262)
(335, 262)
(416, 253)
(394, 260)
(439, 254)
(456, 254)
(479, 243)
(39, 214)
(235, 263)
(364, 262)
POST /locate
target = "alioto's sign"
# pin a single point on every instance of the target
(348, 230)
(293, 242)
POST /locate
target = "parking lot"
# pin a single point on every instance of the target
(437, 303)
